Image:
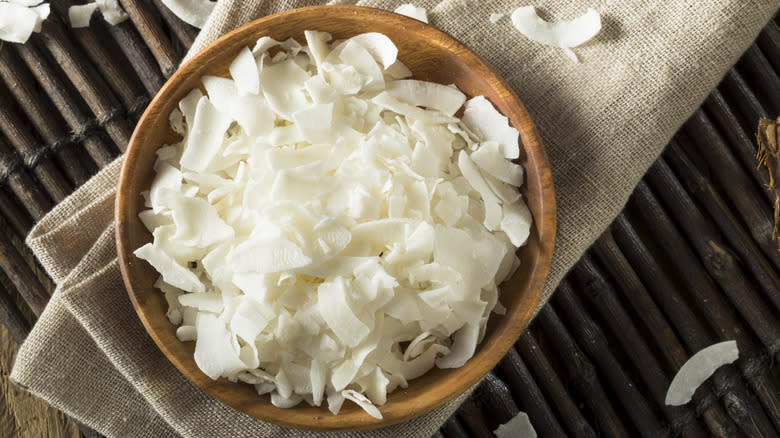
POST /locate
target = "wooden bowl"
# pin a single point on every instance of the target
(431, 55)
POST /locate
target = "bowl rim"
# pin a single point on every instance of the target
(546, 223)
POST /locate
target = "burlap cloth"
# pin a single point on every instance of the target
(603, 122)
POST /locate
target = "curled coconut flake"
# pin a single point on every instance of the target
(193, 12)
(379, 46)
(518, 427)
(698, 369)
(412, 11)
(563, 34)
(363, 402)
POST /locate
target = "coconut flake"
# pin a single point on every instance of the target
(79, 15)
(111, 11)
(412, 11)
(698, 369)
(482, 118)
(490, 159)
(563, 34)
(243, 69)
(17, 22)
(379, 46)
(193, 12)
(446, 99)
(173, 273)
(518, 427)
(363, 402)
(494, 18)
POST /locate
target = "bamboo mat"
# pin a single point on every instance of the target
(691, 261)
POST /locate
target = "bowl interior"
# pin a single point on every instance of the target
(431, 55)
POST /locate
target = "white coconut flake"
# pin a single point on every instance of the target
(319, 212)
(17, 22)
(79, 15)
(518, 427)
(112, 12)
(699, 368)
(412, 11)
(244, 71)
(563, 34)
(379, 46)
(193, 12)
(482, 118)
(446, 99)
(495, 18)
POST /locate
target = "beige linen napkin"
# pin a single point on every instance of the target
(603, 122)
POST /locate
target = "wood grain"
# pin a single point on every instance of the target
(21, 414)
(432, 56)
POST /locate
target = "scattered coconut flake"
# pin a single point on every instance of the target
(563, 34)
(18, 22)
(112, 12)
(193, 12)
(412, 11)
(518, 427)
(698, 369)
(320, 212)
(494, 18)
(79, 15)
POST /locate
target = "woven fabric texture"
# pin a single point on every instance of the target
(603, 122)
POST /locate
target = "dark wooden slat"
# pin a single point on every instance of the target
(143, 62)
(570, 416)
(646, 310)
(769, 42)
(90, 85)
(717, 256)
(13, 212)
(470, 415)
(750, 204)
(591, 339)
(20, 274)
(742, 142)
(106, 56)
(741, 97)
(699, 287)
(24, 187)
(453, 429)
(68, 105)
(581, 374)
(739, 240)
(761, 78)
(147, 22)
(495, 401)
(514, 372)
(594, 288)
(28, 147)
(12, 318)
(39, 110)
(184, 33)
